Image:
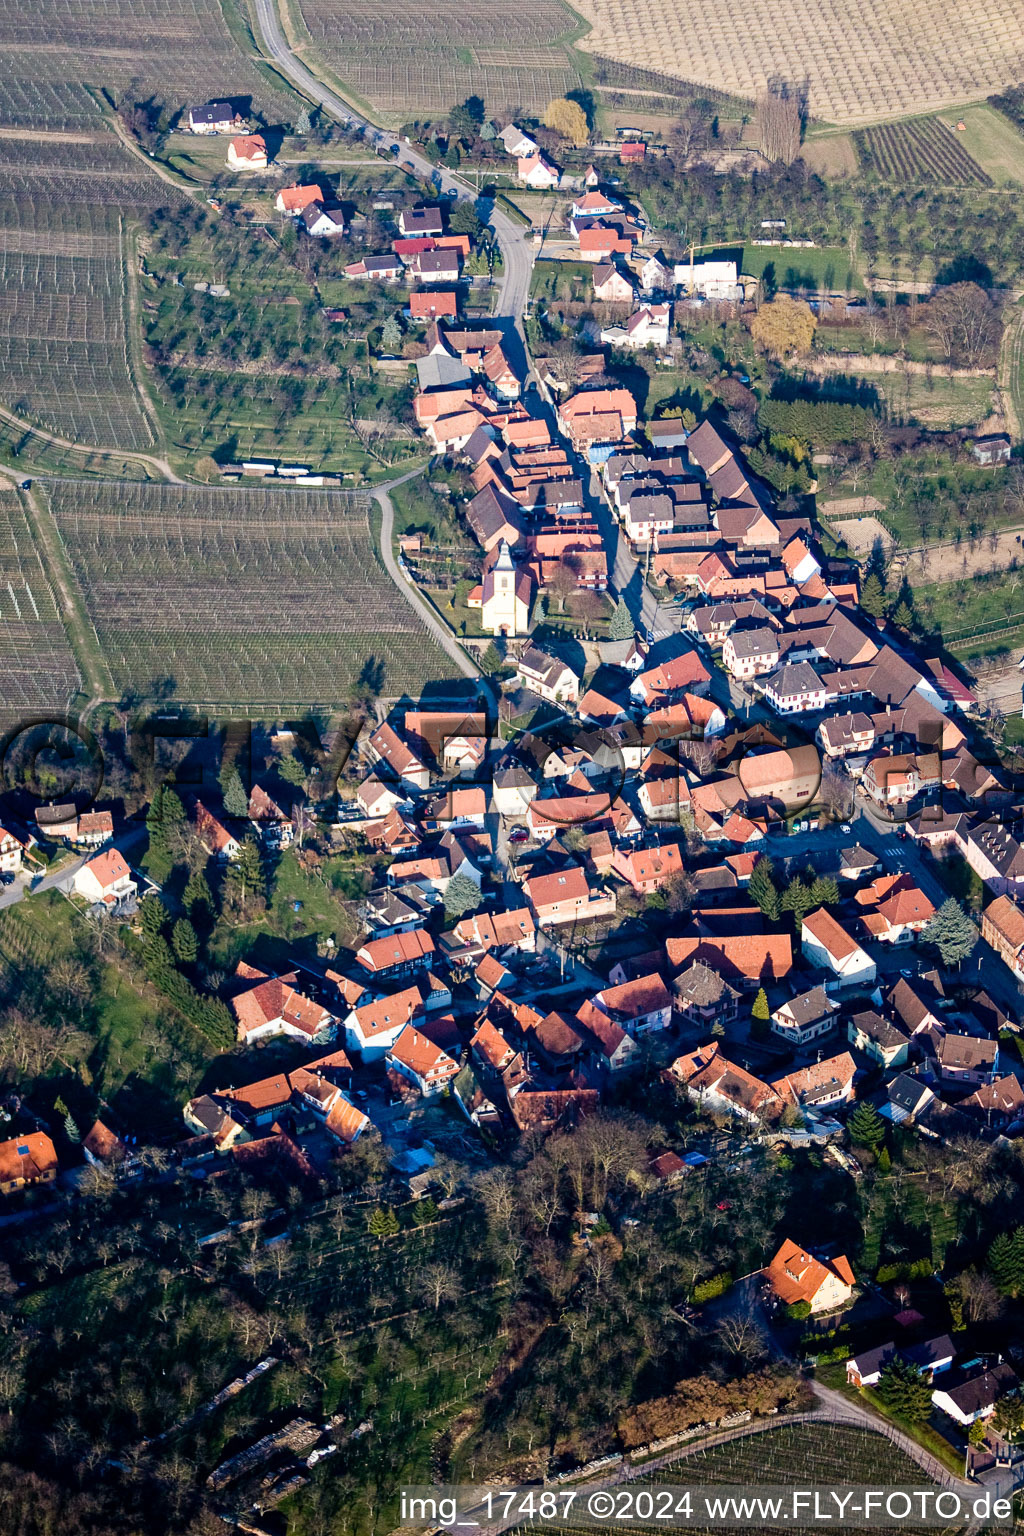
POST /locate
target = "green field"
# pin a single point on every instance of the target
(994, 143)
(938, 402)
(823, 268)
(232, 597)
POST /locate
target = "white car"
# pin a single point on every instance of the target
(846, 829)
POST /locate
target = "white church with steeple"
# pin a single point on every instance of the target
(507, 592)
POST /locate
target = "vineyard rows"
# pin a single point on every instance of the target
(239, 596)
(64, 349)
(39, 671)
(179, 51)
(927, 150)
(426, 57)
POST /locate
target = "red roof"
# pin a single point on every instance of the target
(433, 306)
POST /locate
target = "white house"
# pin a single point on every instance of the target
(538, 173)
(323, 223)
(548, 676)
(216, 117)
(421, 1062)
(517, 142)
(828, 945)
(506, 597)
(106, 878)
(709, 279)
(373, 1028)
(248, 152)
(10, 852)
(976, 1397)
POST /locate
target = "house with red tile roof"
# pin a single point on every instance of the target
(105, 878)
(292, 200)
(746, 960)
(613, 1047)
(795, 1275)
(25, 1160)
(433, 306)
(273, 1005)
(214, 835)
(372, 1029)
(417, 1059)
(648, 869)
(715, 1083)
(826, 943)
(399, 954)
(663, 683)
(820, 1085)
(248, 152)
(639, 1006)
(566, 897)
(387, 747)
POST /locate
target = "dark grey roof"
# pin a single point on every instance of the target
(878, 1029)
(811, 1006)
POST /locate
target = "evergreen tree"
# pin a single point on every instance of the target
(382, 1222)
(303, 124)
(197, 898)
(424, 1211)
(152, 915)
(798, 899)
(491, 661)
(824, 890)
(243, 882)
(620, 625)
(1008, 1419)
(762, 889)
(760, 1009)
(460, 896)
(904, 1391)
(1006, 1262)
(236, 801)
(903, 614)
(951, 932)
(866, 1127)
(71, 1130)
(872, 597)
(292, 770)
(391, 334)
(165, 823)
(884, 1161)
(184, 941)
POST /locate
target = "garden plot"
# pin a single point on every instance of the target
(240, 597)
(925, 150)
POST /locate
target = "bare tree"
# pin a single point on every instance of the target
(836, 792)
(965, 323)
(780, 121)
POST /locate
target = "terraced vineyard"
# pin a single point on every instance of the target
(427, 57)
(925, 150)
(39, 674)
(232, 598)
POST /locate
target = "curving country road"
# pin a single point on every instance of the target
(517, 256)
(440, 631)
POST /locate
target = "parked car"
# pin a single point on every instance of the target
(519, 835)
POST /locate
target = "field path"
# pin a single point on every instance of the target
(89, 449)
(442, 634)
(1011, 374)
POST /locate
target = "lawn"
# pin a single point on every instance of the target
(959, 609)
(995, 143)
(324, 913)
(827, 268)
